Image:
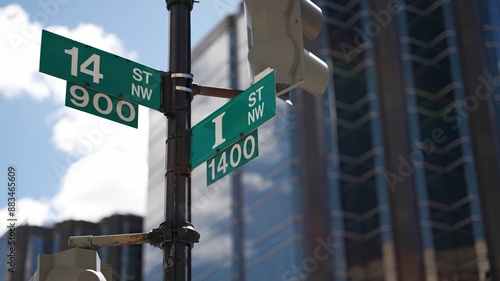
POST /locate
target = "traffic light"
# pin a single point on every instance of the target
(72, 265)
(276, 31)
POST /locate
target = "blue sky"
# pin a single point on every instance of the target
(68, 166)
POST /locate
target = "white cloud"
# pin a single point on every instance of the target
(79, 134)
(111, 173)
(20, 53)
(101, 184)
(106, 168)
(88, 33)
(28, 210)
(255, 182)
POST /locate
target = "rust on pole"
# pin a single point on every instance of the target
(90, 241)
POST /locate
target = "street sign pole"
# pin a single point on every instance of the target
(177, 95)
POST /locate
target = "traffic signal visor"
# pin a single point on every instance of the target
(276, 31)
(72, 265)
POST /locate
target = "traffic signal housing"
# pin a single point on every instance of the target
(276, 31)
(72, 265)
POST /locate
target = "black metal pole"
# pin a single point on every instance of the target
(179, 233)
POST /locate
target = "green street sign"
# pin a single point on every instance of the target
(232, 121)
(233, 157)
(99, 70)
(102, 105)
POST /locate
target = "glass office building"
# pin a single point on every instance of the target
(404, 177)
(390, 175)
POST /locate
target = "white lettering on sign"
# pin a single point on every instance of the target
(109, 104)
(94, 60)
(138, 75)
(255, 112)
(139, 90)
(120, 111)
(82, 100)
(248, 150)
(251, 98)
(219, 139)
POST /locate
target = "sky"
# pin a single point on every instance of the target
(70, 164)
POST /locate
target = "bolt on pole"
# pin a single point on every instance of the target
(178, 232)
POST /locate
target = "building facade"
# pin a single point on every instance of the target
(391, 175)
(407, 172)
(30, 241)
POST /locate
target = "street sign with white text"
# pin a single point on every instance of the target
(99, 70)
(102, 105)
(233, 157)
(234, 120)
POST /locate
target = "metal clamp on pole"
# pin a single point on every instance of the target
(162, 234)
(172, 82)
(183, 82)
(187, 234)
